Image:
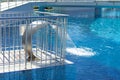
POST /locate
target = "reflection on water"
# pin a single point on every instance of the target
(107, 28)
(50, 73)
(108, 25)
(111, 12)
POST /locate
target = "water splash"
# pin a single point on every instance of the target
(82, 51)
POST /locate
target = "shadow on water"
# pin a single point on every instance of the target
(49, 73)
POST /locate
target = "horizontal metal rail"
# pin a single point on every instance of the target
(31, 17)
(47, 42)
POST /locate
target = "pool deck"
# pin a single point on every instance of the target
(8, 5)
(85, 4)
(14, 60)
(5, 5)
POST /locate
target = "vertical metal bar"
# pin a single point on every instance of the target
(26, 44)
(17, 41)
(1, 38)
(41, 45)
(51, 45)
(4, 40)
(20, 48)
(31, 40)
(59, 25)
(36, 47)
(46, 42)
(3, 48)
(56, 43)
(64, 40)
(59, 39)
(20, 43)
(14, 42)
(9, 45)
(37, 43)
(45, 57)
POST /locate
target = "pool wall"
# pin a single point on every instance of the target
(71, 10)
(92, 7)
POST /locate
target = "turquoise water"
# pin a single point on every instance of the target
(107, 28)
(100, 36)
(103, 37)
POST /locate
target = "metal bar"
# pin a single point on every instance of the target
(4, 37)
(53, 17)
(26, 44)
(31, 41)
(56, 42)
(9, 44)
(37, 43)
(8, 48)
(48, 42)
(64, 41)
(14, 38)
(20, 41)
(41, 45)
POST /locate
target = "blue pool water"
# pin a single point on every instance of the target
(98, 38)
(104, 42)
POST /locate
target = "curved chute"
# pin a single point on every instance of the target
(26, 31)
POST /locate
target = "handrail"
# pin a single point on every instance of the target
(27, 35)
(31, 15)
(51, 14)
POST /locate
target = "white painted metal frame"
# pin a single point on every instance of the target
(48, 44)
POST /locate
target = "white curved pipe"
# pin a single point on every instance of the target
(27, 33)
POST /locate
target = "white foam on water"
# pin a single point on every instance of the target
(83, 51)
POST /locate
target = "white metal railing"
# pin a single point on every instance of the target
(41, 35)
(7, 4)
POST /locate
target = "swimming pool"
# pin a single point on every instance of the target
(97, 38)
